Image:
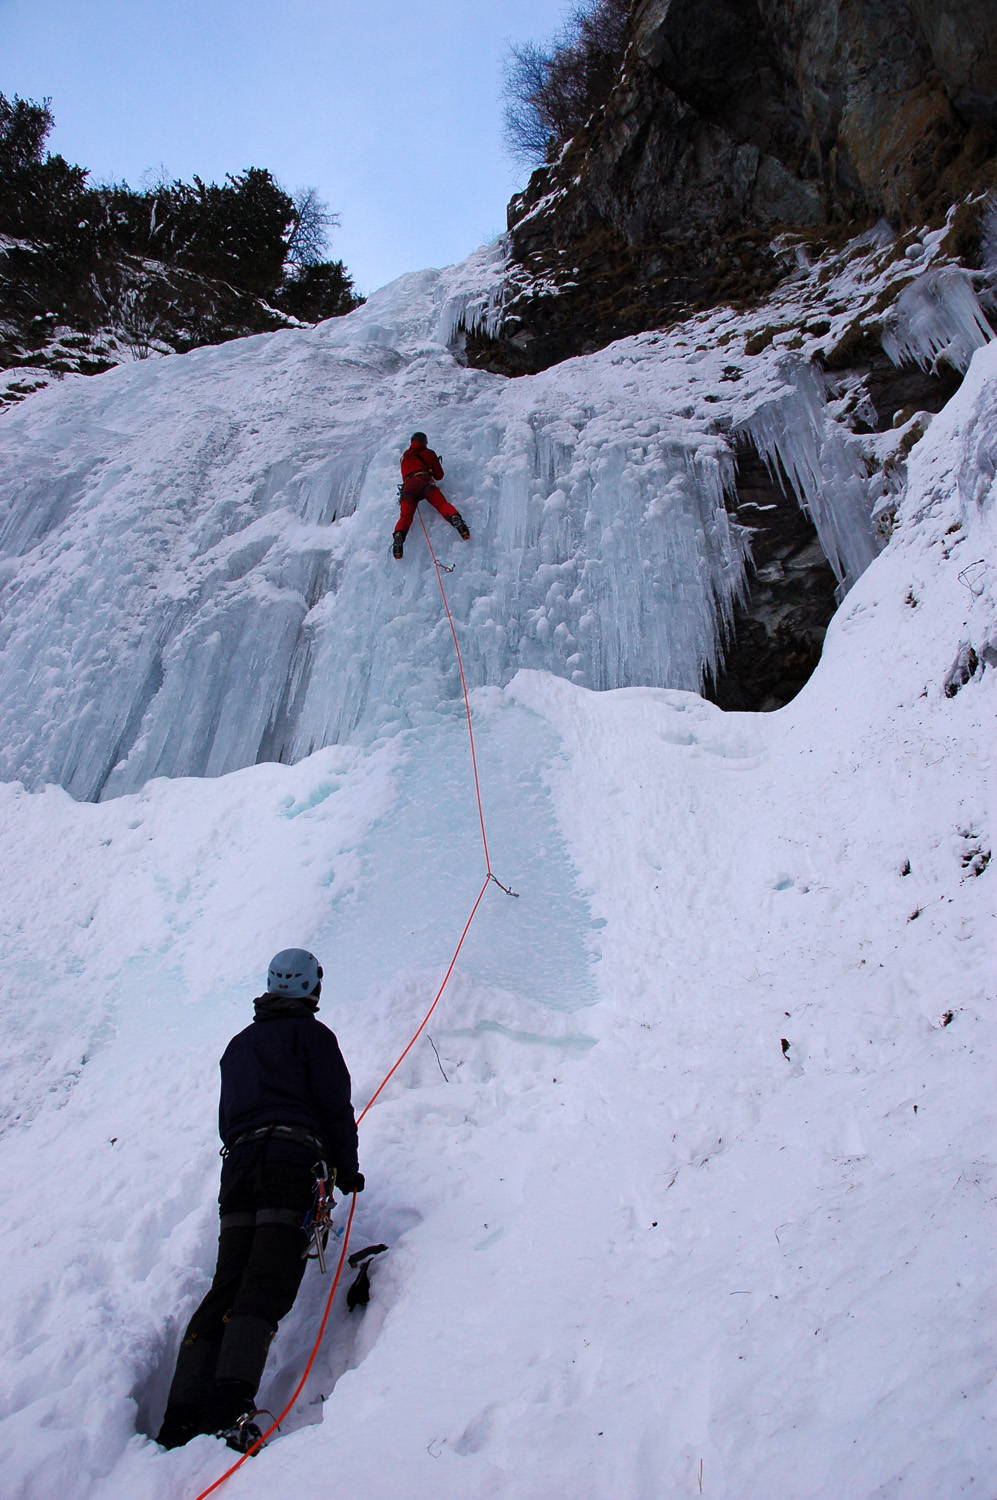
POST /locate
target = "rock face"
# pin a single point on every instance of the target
(733, 119)
(779, 628)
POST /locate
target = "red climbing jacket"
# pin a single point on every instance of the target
(422, 462)
(420, 470)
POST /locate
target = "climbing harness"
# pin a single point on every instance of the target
(295, 1133)
(362, 1257)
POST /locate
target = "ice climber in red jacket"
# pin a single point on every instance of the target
(421, 468)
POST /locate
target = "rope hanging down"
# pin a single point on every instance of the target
(489, 877)
(470, 736)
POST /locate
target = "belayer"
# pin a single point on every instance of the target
(286, 1122)
(421, 468)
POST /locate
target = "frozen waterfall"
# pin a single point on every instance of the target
(194, 551)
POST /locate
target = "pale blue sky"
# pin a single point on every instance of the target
(389, 107)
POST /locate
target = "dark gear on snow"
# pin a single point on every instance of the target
(398, 544)
(288, 1133)
(359, 1292)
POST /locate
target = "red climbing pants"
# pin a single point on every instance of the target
(412, 493)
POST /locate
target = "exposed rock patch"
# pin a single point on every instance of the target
(779, 629)
(129, 309)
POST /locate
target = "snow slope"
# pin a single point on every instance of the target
(702, 1202)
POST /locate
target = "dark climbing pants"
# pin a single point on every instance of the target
(259, 1269)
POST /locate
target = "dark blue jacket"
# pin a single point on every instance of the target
(287, 1069)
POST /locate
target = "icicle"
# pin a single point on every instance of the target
(470, 312)
(937, 317)
(475, 296)
(798, 439)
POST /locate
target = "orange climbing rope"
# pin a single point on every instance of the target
(489, 877)
(463, 686)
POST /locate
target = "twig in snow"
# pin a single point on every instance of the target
(976, 577)
(919, 909)
(429, 1039)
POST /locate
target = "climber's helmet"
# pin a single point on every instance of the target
(294, 972)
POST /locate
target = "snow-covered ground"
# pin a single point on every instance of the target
(691, 1191)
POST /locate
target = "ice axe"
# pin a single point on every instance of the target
(359, 1293)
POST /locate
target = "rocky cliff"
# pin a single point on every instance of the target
(734, 120)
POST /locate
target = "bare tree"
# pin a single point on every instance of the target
(550, 92)
(309, 239)
(528, 126)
